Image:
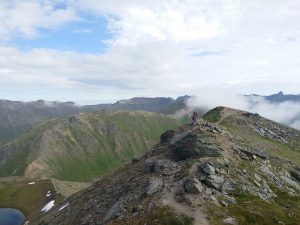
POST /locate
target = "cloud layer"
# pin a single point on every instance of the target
(286, 112)
(158, 48)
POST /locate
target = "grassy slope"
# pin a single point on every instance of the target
(250, 209)
(97, 144)
(20, 195)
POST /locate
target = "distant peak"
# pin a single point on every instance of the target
(280, 93)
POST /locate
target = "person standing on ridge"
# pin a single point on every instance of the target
(195, 118)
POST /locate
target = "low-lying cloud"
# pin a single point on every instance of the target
(285, 112)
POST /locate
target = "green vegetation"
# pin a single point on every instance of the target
(87, 146)
(67, 188)
(251, 139)
(20, 195)
(213, 116)
(252, 210)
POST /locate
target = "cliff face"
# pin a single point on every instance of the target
(242, 169)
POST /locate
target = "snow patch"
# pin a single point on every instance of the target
(64, 206)
(31, 183)
(48, 206)
(48, 194)
(26, 223)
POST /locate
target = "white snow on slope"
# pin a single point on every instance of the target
(48, 206)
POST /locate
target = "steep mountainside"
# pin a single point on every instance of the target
(241, 169)
(18, 117)
(82, 147)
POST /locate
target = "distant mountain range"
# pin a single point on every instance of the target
(279, 97)
(17, 117)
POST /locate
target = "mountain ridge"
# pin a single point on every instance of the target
(84, 146)
(226, 172)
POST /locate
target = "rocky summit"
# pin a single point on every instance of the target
(240, 169)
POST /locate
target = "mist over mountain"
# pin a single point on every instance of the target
(16, 117)
(279, 107)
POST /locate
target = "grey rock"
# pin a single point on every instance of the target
(155, 185)
(223, 203)
(295, 173)
(169, 134)
(230, 221)
(261, 153)
(228, 187)
(189, 146)
(256, 177)
(265, 169)
(166, 167)
(192, 186)
(208, 169)
(208, 191)
(149, 165)
(114, 209)
(214, 181)
(290, 182)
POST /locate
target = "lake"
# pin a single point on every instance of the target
(11, 217)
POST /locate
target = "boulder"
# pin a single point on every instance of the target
(208, 169)
(165, 167)
(228, 187)
(188, 145)
(192, 186)
(155, 185)
(290, 182)
(214, 181)
(230, 221)
(261, 154)
(295, 173)
(169, 134)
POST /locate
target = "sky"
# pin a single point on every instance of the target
(92, 51)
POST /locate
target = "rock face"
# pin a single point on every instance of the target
(191, 145)
(227, 166)
(214, 181)
(296, 174)
(228, 187)
(192, 186)
(167, 136)
(155, 185)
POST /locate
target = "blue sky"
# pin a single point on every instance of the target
(86, 36)
(91, 51)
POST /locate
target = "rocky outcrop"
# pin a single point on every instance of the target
(192, 186)
(193, 145)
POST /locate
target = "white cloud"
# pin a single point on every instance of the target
(25, 18)
(286, 112)
(159, 48)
